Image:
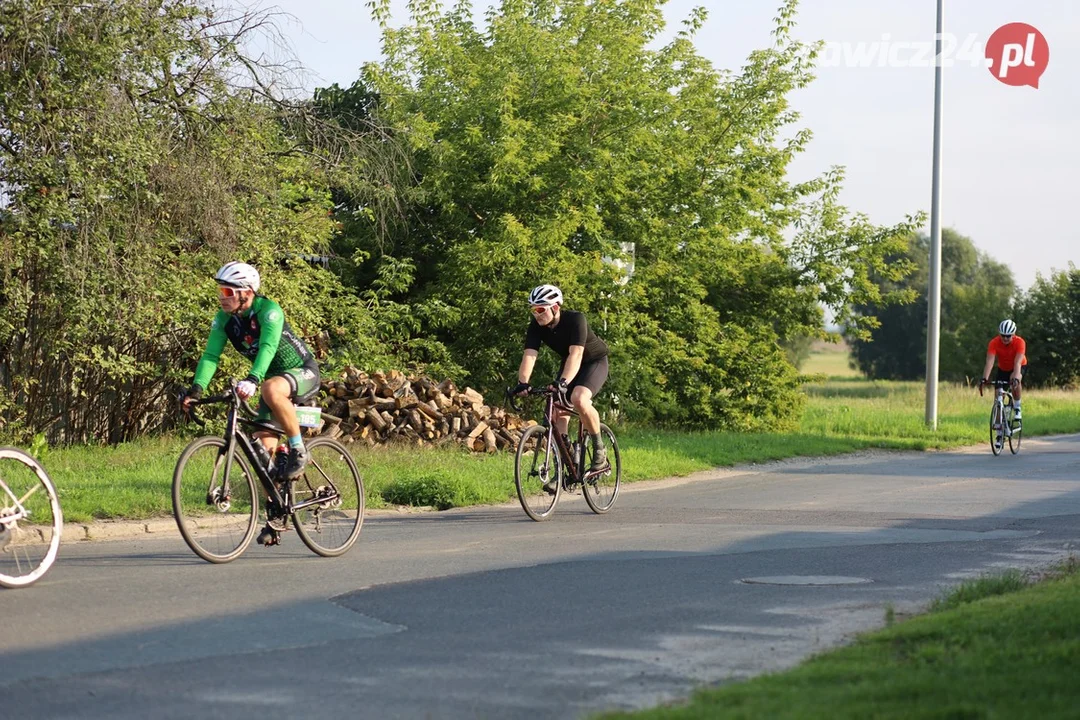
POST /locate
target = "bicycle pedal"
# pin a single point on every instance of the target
(269, 536)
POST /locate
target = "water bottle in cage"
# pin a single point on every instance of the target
(281, 461)
(262, 454)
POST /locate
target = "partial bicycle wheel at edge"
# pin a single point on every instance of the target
(217, 520)
(537, 473)
(329, 528)
(997, 429)
(601, 490)
(30, 519)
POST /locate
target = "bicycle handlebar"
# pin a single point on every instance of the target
(229, 396)
(512, 398)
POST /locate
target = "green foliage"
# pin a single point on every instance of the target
(976, 292)
(1047, 317)
(557, 136)
(427, 489)
(137, 154)
(140, 149)
(987, 586)
(798, 349)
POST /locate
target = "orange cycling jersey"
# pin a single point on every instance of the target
(1006, 354)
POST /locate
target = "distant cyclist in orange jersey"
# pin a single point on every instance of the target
(1010, 352)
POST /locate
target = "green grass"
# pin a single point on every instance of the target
(134, 480)
(891, 414)
(832, 361)
(842, 415)
(994, 648)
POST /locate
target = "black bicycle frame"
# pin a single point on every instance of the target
(566, 452)
(234, 437)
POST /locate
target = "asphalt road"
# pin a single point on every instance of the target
(482, 613)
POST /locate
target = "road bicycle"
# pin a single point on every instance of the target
(216, 504)
(1002, 421)
(547, 463)
(31, 522)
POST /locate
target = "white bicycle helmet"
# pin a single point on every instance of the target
(545, 295)
(1007, 327)
(238, 275)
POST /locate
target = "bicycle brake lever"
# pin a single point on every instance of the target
(193, 416)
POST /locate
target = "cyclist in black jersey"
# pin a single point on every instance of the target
(281, 362)
(584, 367)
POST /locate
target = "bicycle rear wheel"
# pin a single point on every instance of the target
(1016, 432)
(30, 519)
(538, 473)
(602, 488)
(330, 527)
(997, 429)
(217, 513)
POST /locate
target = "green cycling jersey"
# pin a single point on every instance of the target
(260, 334)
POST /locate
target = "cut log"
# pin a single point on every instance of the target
(429, 409)
(379, 422)
(472, 396)
(478, 430)
(415, 420)
(358, 408)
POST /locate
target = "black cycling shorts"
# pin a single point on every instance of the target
(591, 375)
(1005, 375)
(304, 382)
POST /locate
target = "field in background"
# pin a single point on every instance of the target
(831, 360)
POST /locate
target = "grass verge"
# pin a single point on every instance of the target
(843, 415)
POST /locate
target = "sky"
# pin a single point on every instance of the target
(1010, 154)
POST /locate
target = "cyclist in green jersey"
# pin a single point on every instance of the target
(281, 362)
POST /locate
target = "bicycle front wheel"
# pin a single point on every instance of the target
(1016, 432)
(331, 525)
(538, 473)
(30, 519)
(997, 429)
(215, 503)
(602, 488)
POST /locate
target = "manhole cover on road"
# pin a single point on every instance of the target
(806, 580)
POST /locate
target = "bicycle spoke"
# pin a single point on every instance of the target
(333, 492)
(601, 488)
(30, 519)
(538, 473)
(216, 514)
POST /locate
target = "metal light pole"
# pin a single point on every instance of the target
(933, 327)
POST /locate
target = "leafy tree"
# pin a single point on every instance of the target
(550, 138)
(139, 149)
(1048, 318)
(976, 292)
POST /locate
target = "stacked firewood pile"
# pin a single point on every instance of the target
(385, 407)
